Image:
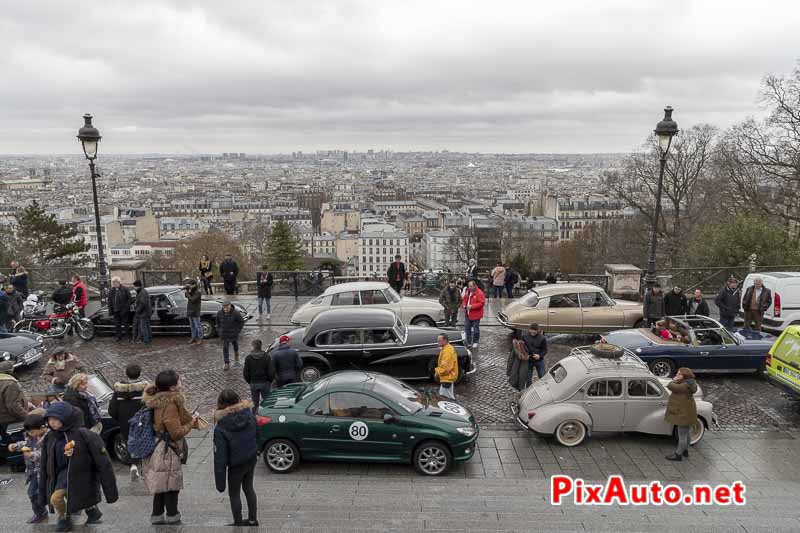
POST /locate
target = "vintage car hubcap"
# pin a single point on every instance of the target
(432, 460)
(120, 448)
(280, 456)
(661, 369)
(697, 431)
(206, 329)
(310, 374)
(570, 432)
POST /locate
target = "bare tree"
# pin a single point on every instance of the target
(689, 192)
(255, 239)
(462, 247)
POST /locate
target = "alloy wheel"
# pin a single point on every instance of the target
(281, 456)
(432, 460)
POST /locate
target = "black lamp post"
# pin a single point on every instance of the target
(90, 137)
(665, 131)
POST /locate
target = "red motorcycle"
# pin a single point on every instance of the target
(63, 321)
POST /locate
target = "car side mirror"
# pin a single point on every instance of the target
(389, 419)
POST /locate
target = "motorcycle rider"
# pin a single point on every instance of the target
(79, 294)
(63, 294)
(15, 303)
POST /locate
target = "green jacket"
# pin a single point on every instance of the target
(681, 409)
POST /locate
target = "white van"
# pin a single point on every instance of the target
(785, 308)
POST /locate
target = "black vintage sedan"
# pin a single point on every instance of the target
(705, 347)
(22, 349)
(375, 340)
(169, 313)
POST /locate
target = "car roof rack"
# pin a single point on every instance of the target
(593, 362)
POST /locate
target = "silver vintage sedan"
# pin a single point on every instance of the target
(602, 388)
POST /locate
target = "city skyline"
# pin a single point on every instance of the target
(167, 77)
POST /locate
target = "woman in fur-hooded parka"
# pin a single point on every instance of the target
(162, 471)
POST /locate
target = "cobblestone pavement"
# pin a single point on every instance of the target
(742, 402)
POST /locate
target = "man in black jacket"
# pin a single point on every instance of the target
(287, 361)
(229, 325)
(757, 299)
(653, 306)
(229, 270)
(126, 402)
(264, 283)
(74, 467)
(141, 313)
(63, 294)
(727, 301)
(675, 302)
(536, 343)
(119, 306)
(194, 306)
(698, 305)
(397, 274)
(259, 373)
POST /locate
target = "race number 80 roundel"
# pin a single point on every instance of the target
(358, 431)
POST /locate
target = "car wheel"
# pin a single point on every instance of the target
(281, 456)
(570, 433)
(432, 458)
(606, 351)
(696, 432)
(663, 368)
(423, 321)
(209, 330)
(120, 448)
(311, 373)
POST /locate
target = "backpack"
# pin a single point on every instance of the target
(142, 438)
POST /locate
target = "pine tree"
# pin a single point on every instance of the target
(44, 241)
(284, 248)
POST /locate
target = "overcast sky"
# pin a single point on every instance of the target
(276, 76)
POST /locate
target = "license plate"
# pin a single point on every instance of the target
(792, 373)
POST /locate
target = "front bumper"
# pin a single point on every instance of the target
(29, 357)
(465, 450)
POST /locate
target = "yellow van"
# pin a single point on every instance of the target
(783, 361)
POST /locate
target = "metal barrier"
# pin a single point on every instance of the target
(46, 278)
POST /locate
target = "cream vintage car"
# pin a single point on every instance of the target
(377, 294)
(611, 392)
(571, 308)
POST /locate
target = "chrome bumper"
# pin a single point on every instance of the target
(27, 360)
(515, 413)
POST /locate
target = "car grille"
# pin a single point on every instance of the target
(530, 396)
(502, 316)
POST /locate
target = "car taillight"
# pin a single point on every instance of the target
(531, 414)
(261, 420)
(776, 309)
(768, 360)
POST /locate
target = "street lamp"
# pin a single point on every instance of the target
(665, 131)
(90, 137)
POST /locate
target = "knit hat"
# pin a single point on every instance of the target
(59, 410)
(284, 339)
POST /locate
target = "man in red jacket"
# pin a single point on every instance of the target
(79, 295)
(473, 303)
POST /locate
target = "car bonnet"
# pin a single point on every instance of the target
(439, 407)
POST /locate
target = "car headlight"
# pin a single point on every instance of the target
(6, 356)
(467, 430)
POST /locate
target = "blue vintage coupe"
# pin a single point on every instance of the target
(705, 347)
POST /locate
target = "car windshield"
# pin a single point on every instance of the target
(318, 300)
(178, 298)
(99, 388)
(391, 295)
(311, 388)
(558, 373)
(530, 300)
(409, 399)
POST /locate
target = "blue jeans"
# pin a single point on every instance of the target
(497, 291)
(197, 328)
(269, 306)
(540, 369)
(472, 329)
(3, 328)
(145, 332)
(259, 391)
(225, 348)
(727, 321)
(33, 495)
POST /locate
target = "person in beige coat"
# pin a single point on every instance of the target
(682, 410)
(60, 368)
(163, 470)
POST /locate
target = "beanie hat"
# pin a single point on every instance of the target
(284, 339)
(59, 410)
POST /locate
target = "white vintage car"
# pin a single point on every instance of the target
(378, 294)
(602, 388)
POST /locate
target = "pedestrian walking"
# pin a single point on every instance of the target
(757, 299)
(194, 305)
(287, 361)
(727, 301)
(60, 368)
(236, 454)
(126, 402)
(473, 303)
(450, 299)
(498, 276)
(396, 274)
(77, 394)
(536, 345)
(75, 466)
(446, 371)
(675, 303)
(653, 306)
(162, 472)
(12, 399)
(35, 429)
(15, 305)
(698, 305)
(142, 309)
(62, 295)
(229, 271)
(19, 279)
(511, 279)
(682, 410)
(264, 282)
(229, 325)
(258, 373)
(119, 307)
(80, 296)
(206, 268)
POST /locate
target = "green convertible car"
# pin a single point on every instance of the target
(363, 416)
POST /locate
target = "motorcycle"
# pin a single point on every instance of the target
(34, 306)
(62, 322)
